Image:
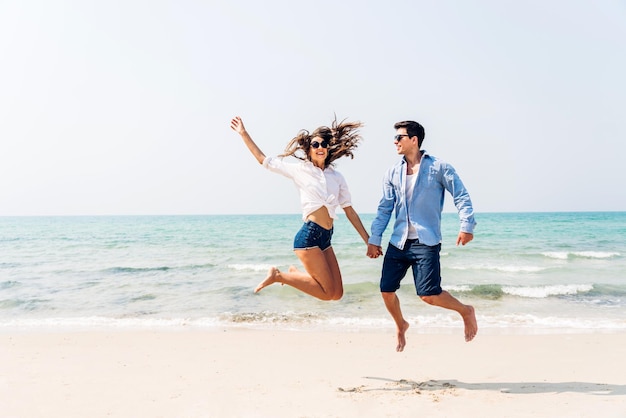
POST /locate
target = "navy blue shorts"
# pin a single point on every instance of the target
(311, 235)
(424, 260)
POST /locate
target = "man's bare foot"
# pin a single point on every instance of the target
(402, 337)
(471, 326)
(270, 279)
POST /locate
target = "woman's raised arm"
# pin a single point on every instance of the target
(236, 125)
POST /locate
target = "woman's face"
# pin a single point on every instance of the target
(318, 155)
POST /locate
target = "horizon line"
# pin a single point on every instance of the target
(281, 214)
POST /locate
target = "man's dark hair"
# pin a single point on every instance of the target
(412, 129)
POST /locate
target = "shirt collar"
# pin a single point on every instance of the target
(424, 154)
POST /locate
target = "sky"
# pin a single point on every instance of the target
(123, 107)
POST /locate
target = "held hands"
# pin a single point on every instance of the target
(464, 238)
(374, 251)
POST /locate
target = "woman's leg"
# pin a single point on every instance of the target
(331, 259)
(321, 280)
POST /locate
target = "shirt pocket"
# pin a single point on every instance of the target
(432, 179)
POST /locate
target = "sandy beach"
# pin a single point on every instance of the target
(277, 373)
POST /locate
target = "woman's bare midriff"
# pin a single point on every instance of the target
(321, 217)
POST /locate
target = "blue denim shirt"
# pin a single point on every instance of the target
(434, 178)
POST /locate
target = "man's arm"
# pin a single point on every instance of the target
(384, 211)
(463, 203)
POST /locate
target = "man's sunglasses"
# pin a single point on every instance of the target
(323, 144)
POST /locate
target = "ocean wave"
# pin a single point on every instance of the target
(271, 317)
(8, 284)
(547, 291)
(500, 268)
(483, 291)
(134, 270)
(143, 298)
(27, 305)
(307, 321)
(608, 289)
(497, 291)
(127, 270)
(494, 291)
(250, 267)
(10, 303)
(565, 255)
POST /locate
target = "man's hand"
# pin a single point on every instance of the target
(464, 238)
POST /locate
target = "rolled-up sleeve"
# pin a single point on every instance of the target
(344, 198)
(277, 165)
(461, 199)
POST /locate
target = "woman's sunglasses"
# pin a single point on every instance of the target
(323, 144)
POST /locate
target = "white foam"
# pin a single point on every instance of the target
(250, 267)
(459, 288)
(545, 291)
(562, 255)
(425, 323)
(595, 254)
(559, 255)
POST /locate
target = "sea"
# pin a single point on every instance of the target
(523, 273)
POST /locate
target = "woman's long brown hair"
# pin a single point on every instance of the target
(343, 138)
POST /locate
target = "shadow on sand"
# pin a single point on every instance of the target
(403, 385)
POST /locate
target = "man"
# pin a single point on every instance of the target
(415, 189)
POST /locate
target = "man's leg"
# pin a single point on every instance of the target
(395, 266)
(393, 306)
(447, 301)
(427, 276)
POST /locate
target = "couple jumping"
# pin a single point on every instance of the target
(414, 188)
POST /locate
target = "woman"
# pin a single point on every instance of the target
(322, 191)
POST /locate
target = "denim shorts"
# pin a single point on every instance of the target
(311, 235)
(424, 260)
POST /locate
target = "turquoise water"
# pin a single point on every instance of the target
(523, 272)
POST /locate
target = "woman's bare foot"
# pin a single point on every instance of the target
(471, 326)
(402, 336)
(271, 278)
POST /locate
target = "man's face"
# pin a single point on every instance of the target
(403, 142)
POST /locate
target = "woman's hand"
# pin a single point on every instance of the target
(374, 251)
(236, 125)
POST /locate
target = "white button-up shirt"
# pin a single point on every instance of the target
(317, 188)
